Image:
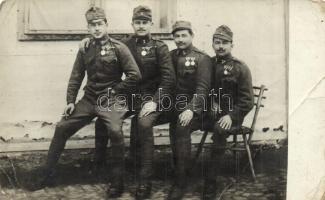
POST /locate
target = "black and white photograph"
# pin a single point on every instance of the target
(162, 99)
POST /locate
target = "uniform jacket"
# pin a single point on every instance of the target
(193, 76)
(232, 78)
(155, 64)
(104, 62)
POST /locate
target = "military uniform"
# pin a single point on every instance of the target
(233, 77)
(193, 74)
(153, 59)
(193, 69)
(232, 81)
(104, 62)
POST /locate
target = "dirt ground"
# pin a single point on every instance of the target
(76, 181)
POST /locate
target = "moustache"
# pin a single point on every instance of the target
(180, 43)
(141, 29)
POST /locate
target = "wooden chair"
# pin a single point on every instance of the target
(243, 131)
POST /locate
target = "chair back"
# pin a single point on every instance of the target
(258, 97)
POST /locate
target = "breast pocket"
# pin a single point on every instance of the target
(230, 83)
(109, 59)
(150, 66)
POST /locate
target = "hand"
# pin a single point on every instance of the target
(185, 117)
(225, 122)
(68, 110)
(84, 44)
(148, 108)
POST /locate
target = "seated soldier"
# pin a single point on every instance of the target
(104, 63)
(232, 82)
(193, 70)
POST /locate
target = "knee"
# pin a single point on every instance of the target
(218, 130)
(144, 123)
(115, 129)
(219, 143)
(61, 130)
(115, 132)
(182, 131)
(64, 125)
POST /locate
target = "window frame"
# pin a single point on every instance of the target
(168, 17)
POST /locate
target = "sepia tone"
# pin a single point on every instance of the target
(35, 68)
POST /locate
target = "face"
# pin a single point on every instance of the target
(183, 39)
(141, 27)
(98, 28)
(222, 47)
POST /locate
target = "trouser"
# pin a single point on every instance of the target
(141, 142)
(180, 139)
(217, 149)
(84, 112)
(145, 140)
(101, 138)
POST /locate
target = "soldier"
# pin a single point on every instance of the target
(231, 77)
(193, 74)
(158, 80)
(104, 62)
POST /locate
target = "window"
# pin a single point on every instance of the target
(65, 19)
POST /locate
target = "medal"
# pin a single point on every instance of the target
(187, 63)
(192, 61)
(102, 52)
(143, 52)
(225, 72)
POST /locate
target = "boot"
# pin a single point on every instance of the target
(209, 189)
(116, 186)
(115, 189)
(143, 191)
(46, 178)
(177, 192)
(99, 170)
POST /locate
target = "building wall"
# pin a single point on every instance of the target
(34, 74)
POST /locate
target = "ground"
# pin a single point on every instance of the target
(75, 180)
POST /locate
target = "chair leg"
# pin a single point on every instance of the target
(236, 157)
(249, 156)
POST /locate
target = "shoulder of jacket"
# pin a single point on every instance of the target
(127, 38)
(237, 61)
(158, 43)
(240, 64)
(200, 52)
(173, 51)
(118, 44)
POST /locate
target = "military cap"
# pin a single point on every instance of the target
(223, 32)
(95, 13)
(181, 25)
(142, 12)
